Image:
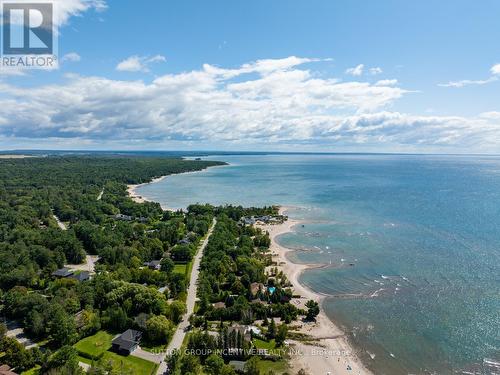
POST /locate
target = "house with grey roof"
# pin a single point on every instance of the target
(127, 342)
(81, 276)
(63, 272)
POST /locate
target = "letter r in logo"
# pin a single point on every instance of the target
(27, 28)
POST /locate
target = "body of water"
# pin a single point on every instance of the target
(413, 243)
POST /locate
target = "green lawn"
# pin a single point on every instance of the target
(180, 268)
(93, 347)
(151, 347)
(84, 360)
(96, 347)
(278, 367)
(135, 365)
(189, 270)
(34, 371)
(261, 344)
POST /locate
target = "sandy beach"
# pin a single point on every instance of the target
(330, 352)
(131, 190)
(5, 156)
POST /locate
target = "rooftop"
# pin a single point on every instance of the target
(128, 339)
(63, 272)
(81, 276)
(5, 370)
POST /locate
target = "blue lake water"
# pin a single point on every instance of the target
(413, 243)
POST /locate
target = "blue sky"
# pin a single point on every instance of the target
(382, 75)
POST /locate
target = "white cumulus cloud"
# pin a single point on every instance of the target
(72, 57)
(375, 71)
(495, 71)
(387, 82)
(65, 9)
(139, 63)
(356, 71)
(265, 102)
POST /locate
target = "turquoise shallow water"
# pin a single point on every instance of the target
(411, 244)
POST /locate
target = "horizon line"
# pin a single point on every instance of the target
(240, 152)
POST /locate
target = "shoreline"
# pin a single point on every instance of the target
(330, 352)
(132, 193)
(131, 188)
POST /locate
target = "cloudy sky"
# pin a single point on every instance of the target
(287, 75)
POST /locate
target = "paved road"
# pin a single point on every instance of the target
(182, 328)
(59, 222)
(89, 264)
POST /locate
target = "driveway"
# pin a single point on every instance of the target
(16, 332)
(148, 356)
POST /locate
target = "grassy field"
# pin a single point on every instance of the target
(278, 367)
(93, 347)
(135, 365)
(151, 347)
(180, 268)
(84, 360)
(34, 371)
(96, 348)
(261, 344)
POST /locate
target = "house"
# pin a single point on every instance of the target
(247, 221)
(238, 366)
(265, 219)
(6, 370)
(81, 276)
(154, 264)
(127, 342)
(219, 305)
(63, 272)
(163, 289)
(123, 217)
(255, 288)
(188, 238)
(254, 329)
(242, 330)
(80, 319)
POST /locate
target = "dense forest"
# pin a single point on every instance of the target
(81, 262)
(87, 196)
